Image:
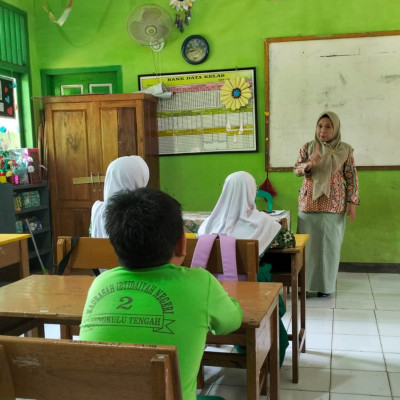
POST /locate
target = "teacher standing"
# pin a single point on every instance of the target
(329, 192)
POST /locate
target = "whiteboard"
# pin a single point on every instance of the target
(357, 77)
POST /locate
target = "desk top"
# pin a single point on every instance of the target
(62, 298)
(12, 237)
(193, 219)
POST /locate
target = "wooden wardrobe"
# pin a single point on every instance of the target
(83, 134)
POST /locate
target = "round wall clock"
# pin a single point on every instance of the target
(195, 49)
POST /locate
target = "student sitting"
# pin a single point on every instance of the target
(235, 214)
(150, 299)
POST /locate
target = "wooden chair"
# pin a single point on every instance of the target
(38, 368)
(247, 263)
(246, 257)
(87, 254)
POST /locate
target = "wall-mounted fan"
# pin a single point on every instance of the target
(150, 25)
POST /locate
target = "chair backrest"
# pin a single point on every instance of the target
(87, 254)
(246, 257)
(36, 368)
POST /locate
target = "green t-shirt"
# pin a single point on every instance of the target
(166, 305)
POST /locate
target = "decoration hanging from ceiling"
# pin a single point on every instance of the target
(183, 14)
(235, 93)
(60, 21)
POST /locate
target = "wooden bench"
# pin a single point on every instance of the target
(37, 368)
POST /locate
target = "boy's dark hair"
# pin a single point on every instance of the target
(143, 226)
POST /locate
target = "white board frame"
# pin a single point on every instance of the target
(355, 75)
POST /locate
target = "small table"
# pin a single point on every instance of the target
(288, 267)
(14, 250)
(60, 299)
(193, 219)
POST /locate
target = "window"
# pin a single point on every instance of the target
(15, 74)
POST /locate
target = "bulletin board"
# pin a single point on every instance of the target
(357, 76)
(7, 107)
(195, 121)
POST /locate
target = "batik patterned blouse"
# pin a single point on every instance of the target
(344, 187)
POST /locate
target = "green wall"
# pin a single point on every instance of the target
(95, 35)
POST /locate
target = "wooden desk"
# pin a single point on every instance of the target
(288, 267)
(60, 299)
(14, 250)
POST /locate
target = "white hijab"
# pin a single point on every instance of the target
(235, 213)
(129, 173)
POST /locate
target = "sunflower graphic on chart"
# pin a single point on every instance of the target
(235, 93)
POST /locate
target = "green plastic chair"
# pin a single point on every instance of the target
(267, 196)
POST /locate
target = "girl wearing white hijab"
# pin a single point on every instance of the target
(235, 213)
(124, 173)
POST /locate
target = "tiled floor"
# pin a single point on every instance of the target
(353, 346)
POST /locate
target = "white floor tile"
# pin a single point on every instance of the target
(355, 304)
(232, 377)
(319, 341)
(386, 294)
(318, 326)
(313, 379)
(390, 344)
(319, 313)
(356, 343)
(348, 294)
(303, 395)
(388, 316)
(346, 396)
(354, 315)
(390, 304)
(360, 382)
(229, 392)
(389, 329)
(358, 360)
(392, 361)
(311, 358)
(394, 378)
(355, 328)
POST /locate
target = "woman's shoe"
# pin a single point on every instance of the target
(320, 294)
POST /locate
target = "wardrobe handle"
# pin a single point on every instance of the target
(98, 181)
(91, 180)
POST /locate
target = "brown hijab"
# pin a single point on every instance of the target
(333, 155)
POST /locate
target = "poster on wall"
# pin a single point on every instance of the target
(208, 111)
(7, 108)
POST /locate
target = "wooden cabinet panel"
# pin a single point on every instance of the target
(84, 134)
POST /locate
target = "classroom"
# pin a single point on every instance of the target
(94, 37)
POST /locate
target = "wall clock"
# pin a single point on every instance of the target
(195, 49)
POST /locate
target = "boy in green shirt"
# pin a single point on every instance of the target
(151, 299)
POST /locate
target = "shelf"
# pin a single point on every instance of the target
(31, 209)
(29, 186)
(42, 252)
(9, 217)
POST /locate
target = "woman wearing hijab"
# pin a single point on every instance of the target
(328, 192)
(235, 214)
(124, 173)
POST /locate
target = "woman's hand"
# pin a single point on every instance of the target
(314, 159)
(351, 211)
